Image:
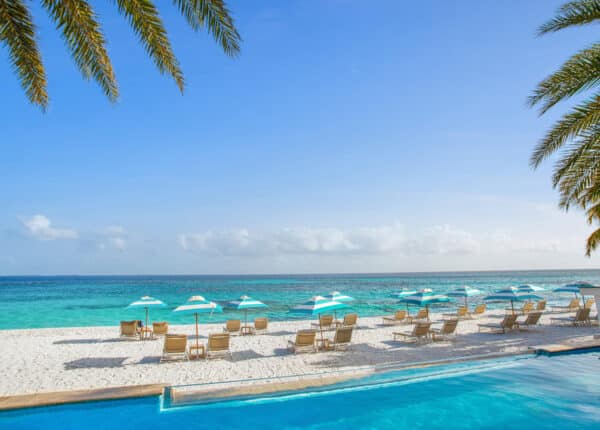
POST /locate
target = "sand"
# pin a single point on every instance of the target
(48, 360)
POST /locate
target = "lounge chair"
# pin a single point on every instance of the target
(479, 310)
(422, 316)
(508, 323)
(305, 342)
(419, 333)
(541, 305)
(446, 332)
(572, 307)
(160, 328)
(532, 320)
(175, 347)
(232, 326)
(129, 329)
(348, 321)
(218, 345)
(527, 307)
(341, 339)
(589, 303)
(581, 318)
(398, 318)
(260, 325)
(325, 322)
(461, 313)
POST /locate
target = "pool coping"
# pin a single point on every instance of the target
(22, 401)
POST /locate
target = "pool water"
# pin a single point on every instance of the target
(561, 392)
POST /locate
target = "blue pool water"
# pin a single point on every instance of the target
(560, 392)
(29, 302)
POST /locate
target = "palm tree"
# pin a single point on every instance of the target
(577, 133)
(83, 35)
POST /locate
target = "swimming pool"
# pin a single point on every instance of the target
(540, 392)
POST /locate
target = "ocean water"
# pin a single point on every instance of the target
(543, 393)
(33, 302)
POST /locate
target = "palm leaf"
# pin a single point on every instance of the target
(18, 33)
(145, 20)
(83, 35)
(214, 15)
(592, 242)
(579, 12)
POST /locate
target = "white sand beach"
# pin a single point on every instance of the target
(58, 359)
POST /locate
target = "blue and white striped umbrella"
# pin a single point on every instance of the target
(336, 296)
(404, 292)
(425, 298)
(318, 305)
(146, 302)
(511, 294)
(464, 291)
(198, 305)
(573, 287)
(528, 288)
(245, 303)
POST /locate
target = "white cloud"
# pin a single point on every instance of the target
(114, 236)
(40, 227)
(389, 239)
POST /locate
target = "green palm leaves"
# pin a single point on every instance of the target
(82, 33)
(577, 172)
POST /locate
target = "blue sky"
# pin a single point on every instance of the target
(345, 138)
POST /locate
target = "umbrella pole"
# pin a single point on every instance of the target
(466, 304)
(427, 311)
(197, 342)
(146, 316)
(512, 305)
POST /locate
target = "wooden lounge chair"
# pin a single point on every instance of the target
(541, 305)
(218, 345)
(461, 313)
(572, 307)
(341, 339)
(232, 327)
(581, 318)
(325, 322)
(508, 323)
(398, 318)
(129, 329)
(479, 310)
(532, 319)
(175, 347)
(305, 342)
(260, 325)
(527, 307)
(589, 303)
(160, 328)
(422, 316)
(419, 333)
(446, 332)
(349, 320)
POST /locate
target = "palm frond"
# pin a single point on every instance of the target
(580, 118)
(83, 35)
(214, 15)
(592, 242)
(578, 12)
(145, 20)
(18, 33)
(579, 73)
(588, 144)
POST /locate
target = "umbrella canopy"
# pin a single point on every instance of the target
(245, 303)
(336, 296)
(573, 287)
(464, 291)
(404, 292)
(146, 302)
(511, 294)
(198, 305)
(425, 298)
(318, 305)
(527, 288)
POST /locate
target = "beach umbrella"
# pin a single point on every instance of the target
(146, 302)
(336, 296)
(527, 288)
(574, 287)
(244, 303)
(198, 305)
(404, 292)
(425, 298)
(466, 292)
(318, 305)
(511, 294)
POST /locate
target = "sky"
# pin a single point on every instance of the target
(346, 137)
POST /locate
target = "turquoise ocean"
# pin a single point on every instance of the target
(76, 301)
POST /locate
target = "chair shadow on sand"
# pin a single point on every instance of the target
(88, 341)
(95, 363)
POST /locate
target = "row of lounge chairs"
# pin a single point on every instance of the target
(402, 316)
(422, 332)
(175, 347)
(307, 341)
(511, 322)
